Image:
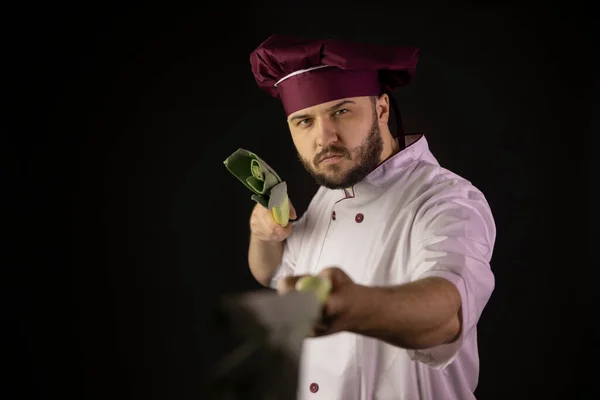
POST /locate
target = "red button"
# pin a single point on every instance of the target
(314, 387)
(359, 218)
(333, 215)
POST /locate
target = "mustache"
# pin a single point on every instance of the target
(330, 152)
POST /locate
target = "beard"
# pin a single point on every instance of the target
(367, 157)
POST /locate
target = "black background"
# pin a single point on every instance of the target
(123, 225)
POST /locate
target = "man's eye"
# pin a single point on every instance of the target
(342, 111)
(304, 122)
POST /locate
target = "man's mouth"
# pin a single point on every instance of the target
(330, 159)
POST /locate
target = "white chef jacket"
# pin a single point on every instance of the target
(408, 219)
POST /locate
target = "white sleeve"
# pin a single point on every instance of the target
(455, 237)
(291, 250)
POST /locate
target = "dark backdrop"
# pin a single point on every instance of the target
(123, 225)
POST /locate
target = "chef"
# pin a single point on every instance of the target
(405, 243)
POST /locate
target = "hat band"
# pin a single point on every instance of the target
(322, 85)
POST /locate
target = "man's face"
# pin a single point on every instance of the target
(339, 143)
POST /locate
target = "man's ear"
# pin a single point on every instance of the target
(382, 106)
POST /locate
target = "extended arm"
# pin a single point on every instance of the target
(416, 315)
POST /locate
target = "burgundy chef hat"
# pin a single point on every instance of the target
(306, 72)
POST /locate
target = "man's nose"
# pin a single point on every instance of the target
(327, 132)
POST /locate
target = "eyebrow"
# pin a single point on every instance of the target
(332, 108)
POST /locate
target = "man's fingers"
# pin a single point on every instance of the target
(331, 274)
(292, 212)
(264, 227)
(279, 232)
(288, 284)
(335, 275)
(273, 230)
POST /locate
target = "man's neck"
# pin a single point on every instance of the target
(390, 151)
(397, 145)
